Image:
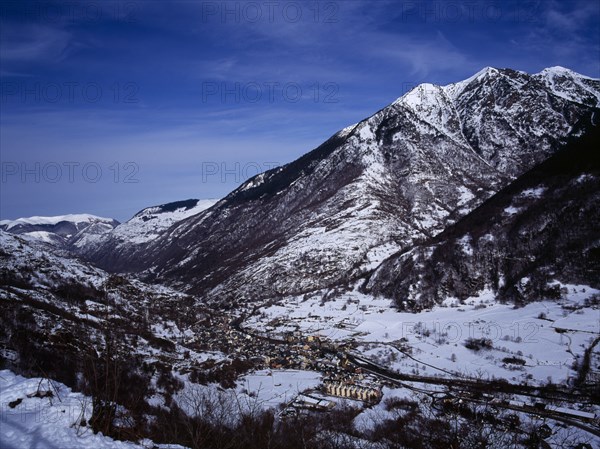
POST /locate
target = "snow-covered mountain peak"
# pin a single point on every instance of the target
(560, 71)
(423, 94)
(487, 76)
(570, 85)
(60, 230)
(486, 71)
(455, 89)
(431, 105)
(560, 80)
(76, 219)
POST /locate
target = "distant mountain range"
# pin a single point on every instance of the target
(61, 230)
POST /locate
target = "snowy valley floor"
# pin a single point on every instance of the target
(550, 337)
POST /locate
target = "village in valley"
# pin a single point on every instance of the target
(348, 367)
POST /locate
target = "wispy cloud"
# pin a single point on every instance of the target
(572, 20)
(421, 56)
(33, 43)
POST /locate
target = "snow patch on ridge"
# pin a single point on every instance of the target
(151, 222)
(36, 220)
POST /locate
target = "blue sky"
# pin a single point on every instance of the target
(107, 107)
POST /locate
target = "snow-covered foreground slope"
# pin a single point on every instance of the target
(57, 421)
(53, 307)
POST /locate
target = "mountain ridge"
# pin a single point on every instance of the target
(395, 178)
